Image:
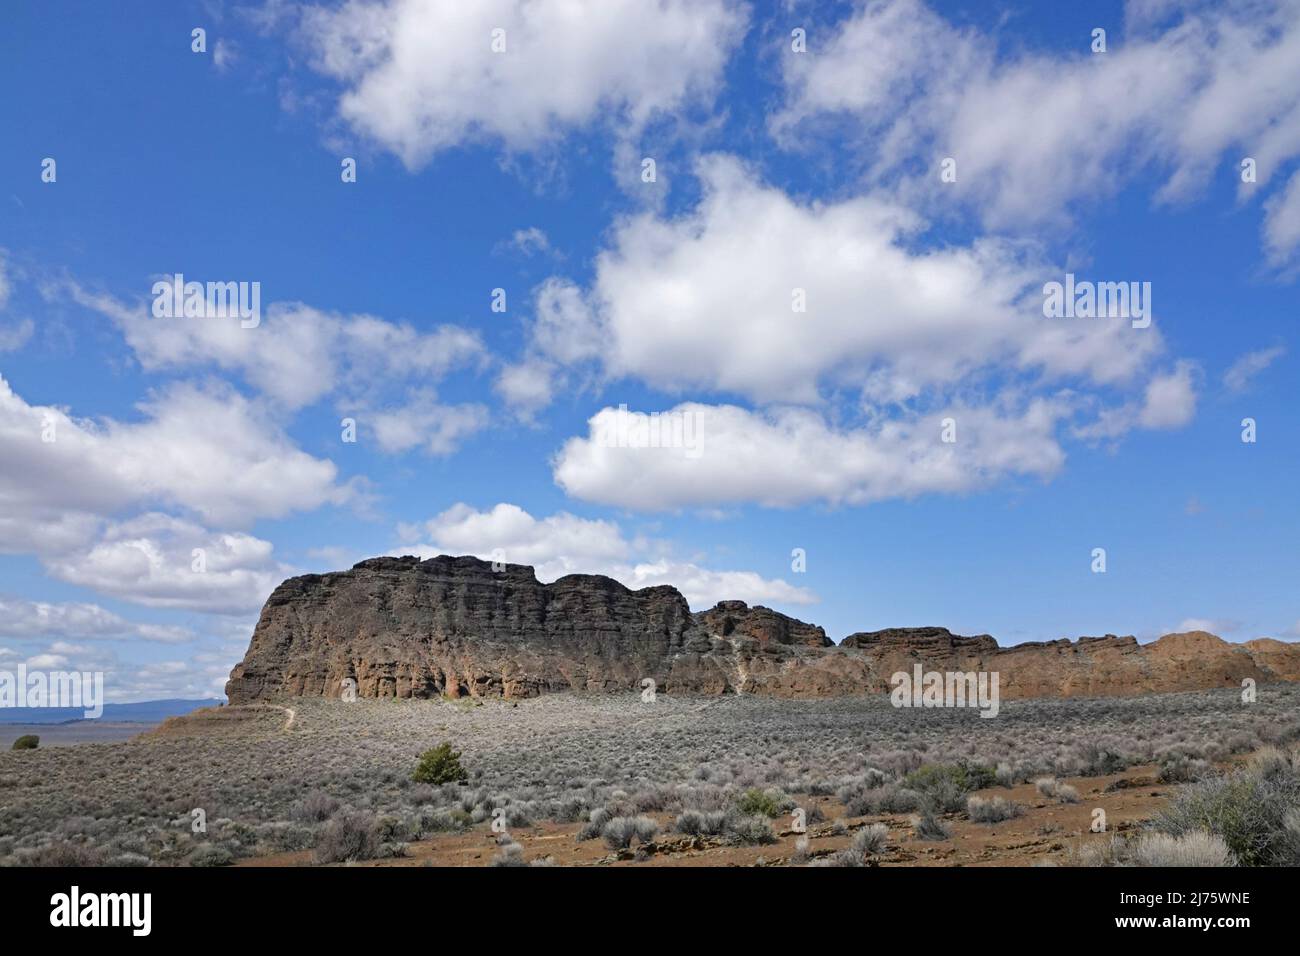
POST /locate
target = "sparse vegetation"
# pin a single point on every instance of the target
(341, 784)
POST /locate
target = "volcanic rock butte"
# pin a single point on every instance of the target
(402, 627)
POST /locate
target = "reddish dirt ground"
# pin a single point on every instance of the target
(1044, 834)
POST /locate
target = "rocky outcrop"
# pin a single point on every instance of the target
(402, 627)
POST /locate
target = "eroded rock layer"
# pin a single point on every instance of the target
(402, 627)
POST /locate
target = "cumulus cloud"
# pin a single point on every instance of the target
(24, 620)
(789, 304)
(564, 332)
(1035, 133)
(422, 422)
(789, 456)
(527, 386)
(754, 293)
(206, 449)
(160, 561)
(563, 543)
(1169, 401)
(421, 76)
(202, 675)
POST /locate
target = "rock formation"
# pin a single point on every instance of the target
(402, 627)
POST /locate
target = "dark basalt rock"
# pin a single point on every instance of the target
(402, 627)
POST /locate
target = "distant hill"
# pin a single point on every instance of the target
(144, 712)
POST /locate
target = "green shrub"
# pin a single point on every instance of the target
(760, 802)
(27, 742)
(980, 776)
(750, 830)
(440, 765)
(930, 827)
(209, 854)
(1248, 810)
(944, 786)
(888, 799)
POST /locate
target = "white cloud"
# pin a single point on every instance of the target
(528, 385)
(563, 544)
(564, 327)
(420, 76)
(207, 449)
(15, 335)
(224, 55)
(707, 301)
(202, 676)
(168, 680)
(1282, 223)
(529, 242)
(297, 355)
(564, 332)
(1170, 400)
(5, 285)
(423, 423)
(45, 662)
(704, 588)
(1243, 371)
(1217, 626)
(1035, 133)
(22, 619)
(150, 560)
(787, 457)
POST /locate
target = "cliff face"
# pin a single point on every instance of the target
(401, 627)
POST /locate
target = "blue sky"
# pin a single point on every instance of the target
(776, 170)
